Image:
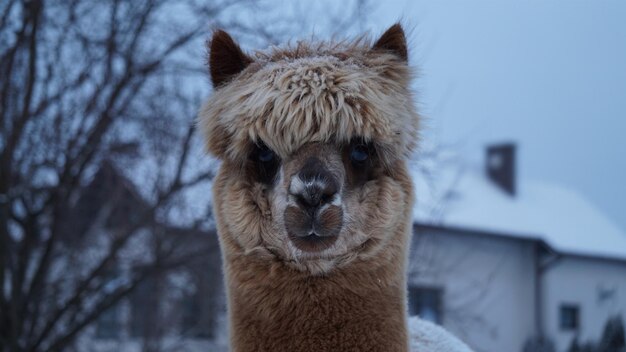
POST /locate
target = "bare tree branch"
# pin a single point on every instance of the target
(89, 90)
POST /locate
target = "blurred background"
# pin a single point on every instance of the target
(107, 239)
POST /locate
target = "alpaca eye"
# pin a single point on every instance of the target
(361, 161)
(266, 155)
(359, 153)
(263, 154)
(264, 164)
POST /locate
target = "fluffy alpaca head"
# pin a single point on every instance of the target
(313, 140)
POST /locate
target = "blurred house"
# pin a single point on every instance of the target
(497, 261)
(171, 309)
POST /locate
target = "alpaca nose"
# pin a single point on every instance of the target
(314, 186)
(315, 196)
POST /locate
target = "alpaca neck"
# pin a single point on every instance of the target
(360, 307)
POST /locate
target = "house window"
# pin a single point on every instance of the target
(144, 308)
(108, 323)
(427, 303)
(107, 326)
(195, 321)
(569, 316)
(191, 310)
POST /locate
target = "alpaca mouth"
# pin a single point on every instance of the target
(313, 233)
(313, 242)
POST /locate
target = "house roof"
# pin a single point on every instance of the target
(464, 198)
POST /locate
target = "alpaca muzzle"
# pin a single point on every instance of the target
(314, 218)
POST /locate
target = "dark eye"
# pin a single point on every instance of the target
(264, 164)
(359, 153)
(265, 155)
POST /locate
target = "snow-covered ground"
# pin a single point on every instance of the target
(428, 337)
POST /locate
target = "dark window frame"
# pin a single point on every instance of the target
(569, 317)
(425, 293)
(108, 324)
(195, 320)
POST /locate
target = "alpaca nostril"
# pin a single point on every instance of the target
(327, 198)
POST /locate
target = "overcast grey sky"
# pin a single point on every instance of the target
(550, 75)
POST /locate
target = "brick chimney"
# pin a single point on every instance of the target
(500, 166)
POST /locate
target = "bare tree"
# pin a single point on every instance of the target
(76, 75)
(87, 85)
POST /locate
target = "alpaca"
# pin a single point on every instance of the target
(313, 198)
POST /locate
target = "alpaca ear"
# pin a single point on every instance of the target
(226, 59)
(393, 41)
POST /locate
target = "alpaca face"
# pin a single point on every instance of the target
(321, 207)
(313, 142)
(314, 195)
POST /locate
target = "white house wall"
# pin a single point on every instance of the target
(597, 286)
(488, 285)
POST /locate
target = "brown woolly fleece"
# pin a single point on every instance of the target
(348, 297)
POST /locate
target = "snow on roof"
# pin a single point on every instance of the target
(464, 198)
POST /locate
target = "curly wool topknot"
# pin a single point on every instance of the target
(313, 92)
